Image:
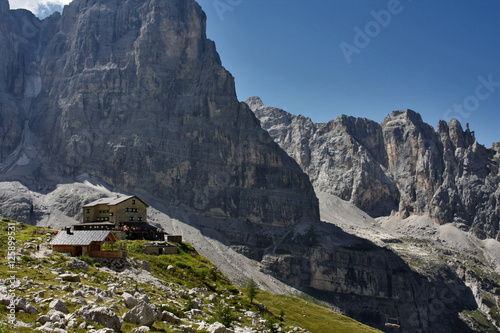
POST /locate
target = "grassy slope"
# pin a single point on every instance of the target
(190, 270)
(310, 316)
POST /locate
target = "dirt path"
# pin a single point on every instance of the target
(42, 252)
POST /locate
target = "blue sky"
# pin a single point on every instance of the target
(439, 58)
(365, 58)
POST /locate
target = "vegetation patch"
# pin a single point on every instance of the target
(312, 317)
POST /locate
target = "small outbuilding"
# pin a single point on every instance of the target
(159, 248)
(89, 242)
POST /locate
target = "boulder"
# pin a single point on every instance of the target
(130, 301)
(145, 265)
(102, 330)
(170, 318)
(187, 328)
(78, 300)
(58, 305)
(22, 304)
(78, 264)
(100, 315)
(47, 327)
(217, 328)
(68, 288)
(142, 314)
(70, 277)
(142, 329)
(43, 319)
(56, 316)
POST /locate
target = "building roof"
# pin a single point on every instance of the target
(113, 201)
(87, 224)
(80, 237)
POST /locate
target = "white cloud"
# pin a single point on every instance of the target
(35, 5)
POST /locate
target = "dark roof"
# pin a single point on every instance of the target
(80, 237)
(113, 201)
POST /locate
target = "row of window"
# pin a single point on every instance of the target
(128, 210)
(131, 219)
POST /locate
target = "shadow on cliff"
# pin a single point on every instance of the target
(368, 282)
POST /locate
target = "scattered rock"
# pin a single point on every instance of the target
(78, 264)
(100, 315)
(217, 328)
(170, 318)
(58, 305)
(145, 265)
(68, 288)
(43, 319)
(47, 327)
(187, 328)
(102, 330)
(70, 277)
(130, 301)
(78, 301)
(22, 304)
(142, 314)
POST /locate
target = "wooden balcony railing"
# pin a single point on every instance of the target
(109, 254)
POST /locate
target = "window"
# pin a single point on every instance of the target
(133, 202)
(131, 219)
(88, 219)
(126, 209)
(87, 210)
(139, 219)
(111, 214)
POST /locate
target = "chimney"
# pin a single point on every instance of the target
(68, 231)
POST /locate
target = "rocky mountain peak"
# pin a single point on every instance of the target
(254, 102)
(134, 93)
(401, 165)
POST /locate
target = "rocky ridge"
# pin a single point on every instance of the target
(401, 165)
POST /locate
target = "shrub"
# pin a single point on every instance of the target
(26, 258)
(223, 314)
(87, 259)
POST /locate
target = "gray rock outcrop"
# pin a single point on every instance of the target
(401, 165)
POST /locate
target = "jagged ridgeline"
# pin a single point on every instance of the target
(401, 165)
(133, 92)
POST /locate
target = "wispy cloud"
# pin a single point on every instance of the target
(35, 5)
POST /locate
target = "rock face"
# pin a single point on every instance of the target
(401, 165)
(134, 93)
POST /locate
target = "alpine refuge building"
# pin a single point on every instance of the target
(125, 215)
(88, 242)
